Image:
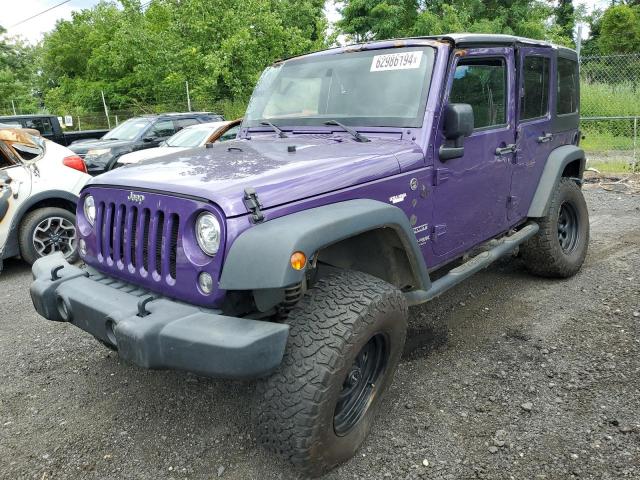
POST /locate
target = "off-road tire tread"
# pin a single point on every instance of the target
(542, 254)
(321, 328)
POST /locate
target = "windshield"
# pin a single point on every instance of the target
(128, 130)
(189, 137)
(372, 88)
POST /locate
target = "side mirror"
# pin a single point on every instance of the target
(149, 139)
(458, 123)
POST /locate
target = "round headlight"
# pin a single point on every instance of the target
(208, 233)
(90, 209)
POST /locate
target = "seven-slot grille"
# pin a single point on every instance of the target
(138, 239)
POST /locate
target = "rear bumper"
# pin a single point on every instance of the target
(161, 334)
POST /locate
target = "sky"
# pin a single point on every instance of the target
(14, 11)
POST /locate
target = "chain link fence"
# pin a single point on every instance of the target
(610, 108)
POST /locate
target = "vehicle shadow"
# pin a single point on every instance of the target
(13, 267)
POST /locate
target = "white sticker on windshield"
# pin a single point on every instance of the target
(396, 61)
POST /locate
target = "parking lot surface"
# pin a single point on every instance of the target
(507, 376)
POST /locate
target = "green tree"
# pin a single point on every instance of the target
(619, 30)
(565, 17)
(379, 19)
(16, 71)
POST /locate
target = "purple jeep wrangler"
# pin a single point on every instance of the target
(365, 179)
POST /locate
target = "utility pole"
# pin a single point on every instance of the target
(106, 110)
(579, 40)
(188, 97)
(14, 107)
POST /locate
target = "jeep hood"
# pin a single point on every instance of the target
(279, 172)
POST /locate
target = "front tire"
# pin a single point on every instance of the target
(559, 248)
(48, 230)
(345, 341)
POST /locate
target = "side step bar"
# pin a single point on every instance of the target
(473, 265)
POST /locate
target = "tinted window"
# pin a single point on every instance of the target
(164, 128)
(43, 125)
(535, 80)
(482, 84)
(185, 122)
(567, 86)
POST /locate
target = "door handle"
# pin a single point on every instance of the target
(545, 138)
(506, 150)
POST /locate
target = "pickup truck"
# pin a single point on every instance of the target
(364, 180)
(49, 127)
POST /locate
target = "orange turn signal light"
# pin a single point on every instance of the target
(298, 260)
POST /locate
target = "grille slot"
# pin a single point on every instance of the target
(173, 248)
(138, 239)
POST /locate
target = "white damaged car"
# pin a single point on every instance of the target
(39, 186)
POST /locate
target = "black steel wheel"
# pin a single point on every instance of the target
(359, 385)
(568, 231)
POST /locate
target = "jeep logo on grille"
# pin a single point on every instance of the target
(135, 197)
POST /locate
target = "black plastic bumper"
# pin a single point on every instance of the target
(162, 333)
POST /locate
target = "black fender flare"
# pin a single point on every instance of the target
(556, 162)
(260, 257)
(11, 248)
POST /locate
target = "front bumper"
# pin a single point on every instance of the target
(155, 332)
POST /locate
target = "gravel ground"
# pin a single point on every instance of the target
(523, 378)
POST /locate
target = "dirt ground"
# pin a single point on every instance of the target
(522, 378)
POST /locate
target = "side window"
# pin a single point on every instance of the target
(184, 122)
(482, 83)
(229, 134)
(535, 82)
(163, 128)
(43, 125)
(567, 86)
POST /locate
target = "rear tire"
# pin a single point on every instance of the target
(47, 230)
(345, 341)
(560, 246)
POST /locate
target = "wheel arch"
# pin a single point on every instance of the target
(564, 161)
(51, 198)
(347, 234)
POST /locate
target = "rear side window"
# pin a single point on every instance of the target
(535, 83)
(567, 86)
(164, 128)
(185, 122)
(482, 83)
(43, 125)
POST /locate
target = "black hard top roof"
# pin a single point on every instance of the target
(493, 39)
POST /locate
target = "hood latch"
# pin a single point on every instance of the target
(253, 204)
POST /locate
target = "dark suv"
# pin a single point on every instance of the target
(365, 179)
(135, 134)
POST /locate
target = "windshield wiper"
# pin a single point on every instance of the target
(278, 130)
(356, 135)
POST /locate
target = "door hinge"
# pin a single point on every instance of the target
(253, 204)
(439, 231)
(441, 176)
